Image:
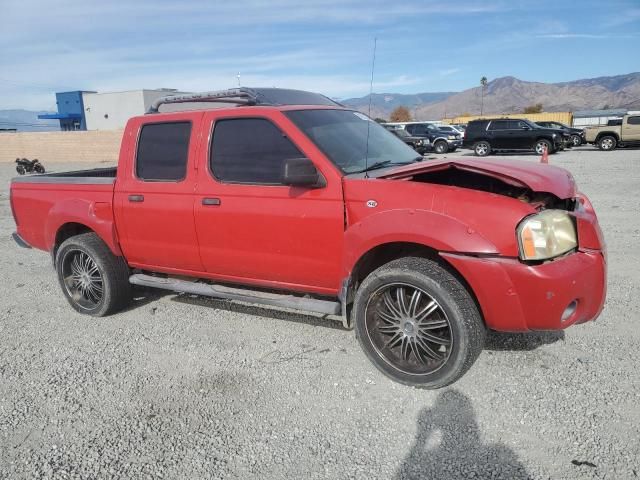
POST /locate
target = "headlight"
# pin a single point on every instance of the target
(452, 137)
(554, 135)
(546, 235)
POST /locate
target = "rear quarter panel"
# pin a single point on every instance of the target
(41, 209)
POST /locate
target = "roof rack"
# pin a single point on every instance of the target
(240, 96)
(248, 96)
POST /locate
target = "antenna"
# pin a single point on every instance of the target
(373, 65)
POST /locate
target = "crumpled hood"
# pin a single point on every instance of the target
(521, 173)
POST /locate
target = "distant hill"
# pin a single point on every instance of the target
(382, 104)
(26, 121)
(511, 95)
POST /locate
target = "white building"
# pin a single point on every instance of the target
(111, 110)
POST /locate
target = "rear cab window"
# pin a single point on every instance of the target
(163, 151)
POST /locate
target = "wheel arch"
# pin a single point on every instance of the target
(74, 217)
(384, 253)
(607, 134)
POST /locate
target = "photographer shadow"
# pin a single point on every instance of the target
(448, 446)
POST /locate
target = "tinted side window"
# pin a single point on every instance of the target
(163, 149)
(633, 120)
(249, 150)
(499, 125)
(517, 125)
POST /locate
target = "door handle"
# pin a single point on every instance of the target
(211, 201)
(136, 198)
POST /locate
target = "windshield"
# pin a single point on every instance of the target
(342, 137)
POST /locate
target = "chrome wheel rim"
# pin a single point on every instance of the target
(576, 141)
(481, 149)
(440, 147)
(540, 147)
(82, 279)
(607, 143)
(408, 329)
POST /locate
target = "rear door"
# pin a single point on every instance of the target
(498, 134)
(251, 227)
(631, 129)
(154, 192)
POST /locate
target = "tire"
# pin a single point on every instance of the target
(38, 168)
(576, 140)
(482, 149)
(441, 146)
(541, 144)
(607, 143)
(438, 348)
(21, 170)
(101, 284)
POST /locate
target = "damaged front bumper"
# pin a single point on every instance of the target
(515, 296)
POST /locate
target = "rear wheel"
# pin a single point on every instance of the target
(542, 145)
(38, 168)
(441, 146)
(21, 170)
(417, 323)
(482, 149)
(607, 143)
(93, 280)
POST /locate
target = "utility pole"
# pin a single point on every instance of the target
(238, 78)
(483, 84)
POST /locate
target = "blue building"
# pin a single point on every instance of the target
(70, 110)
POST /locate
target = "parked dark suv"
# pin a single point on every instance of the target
(438, 140)
(576, 134)
(494, 134)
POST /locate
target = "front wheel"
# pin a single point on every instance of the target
(542, 145)
(441, 146)
(417, 323)
(93, 280)
(21, 170)
(576, 140)
(607, 143)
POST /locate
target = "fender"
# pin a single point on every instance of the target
(98, 216)
(424, 227)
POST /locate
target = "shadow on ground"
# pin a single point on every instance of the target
(521, 341)
(448, 446)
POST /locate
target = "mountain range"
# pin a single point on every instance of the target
(501, 95)
(510, 95)
(26, 121)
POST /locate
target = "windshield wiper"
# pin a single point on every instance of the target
(386, 163)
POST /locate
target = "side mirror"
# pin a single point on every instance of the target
(525, 127)
(301, 172)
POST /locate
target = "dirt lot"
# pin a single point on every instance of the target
(178, 387)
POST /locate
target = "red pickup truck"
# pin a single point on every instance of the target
(285, 198)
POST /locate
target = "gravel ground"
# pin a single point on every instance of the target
(180, 387)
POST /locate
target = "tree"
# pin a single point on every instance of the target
(537, 108)
(483, 85)
(400, 114)
(380, 120)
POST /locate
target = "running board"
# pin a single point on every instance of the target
(250, 296)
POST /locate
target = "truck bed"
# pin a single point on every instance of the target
(42, 203)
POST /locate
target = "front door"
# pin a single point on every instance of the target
(631, 129)
(154, 194)
(251, 227)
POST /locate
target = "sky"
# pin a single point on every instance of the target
(324, 46)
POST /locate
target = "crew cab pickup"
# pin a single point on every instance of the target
(609, 137)
(288, 199)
